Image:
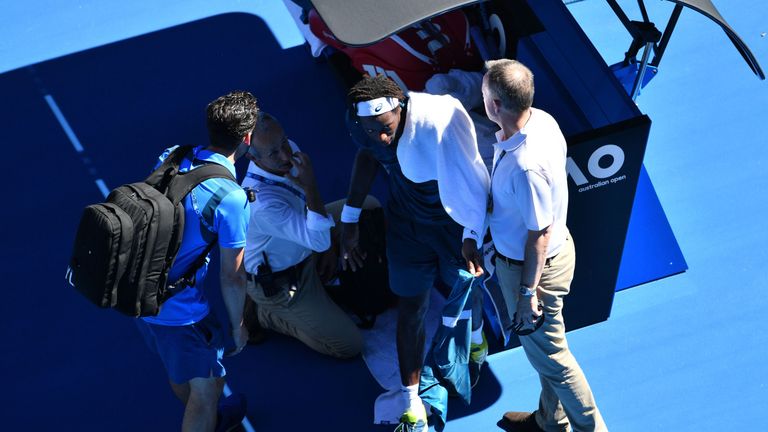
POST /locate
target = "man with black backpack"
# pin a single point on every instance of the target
(185, 333)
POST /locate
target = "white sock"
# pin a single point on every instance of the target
(411, 395)
(477, 336)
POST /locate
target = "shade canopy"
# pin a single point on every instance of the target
(708, 9)
(364, 22)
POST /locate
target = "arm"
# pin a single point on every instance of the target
(535, 256)
(233, 293)
(363, 174)
(471, 254)
(279, 218)
(314, 201)
(274, 216)
(464, 183)
(535, 200)
(231, 223)
(533, 265)
(305, 177)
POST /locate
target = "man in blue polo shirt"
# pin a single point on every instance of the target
(186, 336)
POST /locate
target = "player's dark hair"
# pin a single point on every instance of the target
(229, 119)
(373, 88)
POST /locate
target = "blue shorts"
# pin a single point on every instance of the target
(190, 351)
(417, 251)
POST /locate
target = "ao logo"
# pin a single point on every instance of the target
(593, 166)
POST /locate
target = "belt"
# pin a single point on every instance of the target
(296, 267)
(513, 261)
(255, 278)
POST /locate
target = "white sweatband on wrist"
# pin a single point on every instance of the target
(377, 106)
(350, 214)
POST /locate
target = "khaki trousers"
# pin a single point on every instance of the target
(306, 312)
(565, 394)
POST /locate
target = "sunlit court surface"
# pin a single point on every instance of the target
(94, 91)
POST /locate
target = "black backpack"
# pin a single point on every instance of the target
(125, 246)
(365, 292)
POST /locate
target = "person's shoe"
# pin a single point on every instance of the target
(230, 412)
(413, 420)
(477, 355)
(478, 352)
(515, 421)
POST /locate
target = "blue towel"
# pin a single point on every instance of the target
(446, 368)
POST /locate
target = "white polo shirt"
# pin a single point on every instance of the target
(529, 186)
(281, 225)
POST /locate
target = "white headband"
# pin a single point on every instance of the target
(377, 106)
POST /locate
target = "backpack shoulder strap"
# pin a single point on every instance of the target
(180, 186)
(189, 278)
(182, 183)
(163, 174)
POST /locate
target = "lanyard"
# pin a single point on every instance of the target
(498, 161)
(271, 182)
(493, 171)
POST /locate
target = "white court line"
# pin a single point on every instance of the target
(102, 187)
(73, 138)
(64, 124)
(246, 423)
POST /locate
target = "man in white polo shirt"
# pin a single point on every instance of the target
(535, 254)
(288, 223)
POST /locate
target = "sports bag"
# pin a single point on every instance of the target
(125, 246)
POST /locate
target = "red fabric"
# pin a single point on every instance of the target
(411, 71)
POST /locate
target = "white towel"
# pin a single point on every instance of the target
(380, 355)
(389, 407)
(466, 86)
(439, 143)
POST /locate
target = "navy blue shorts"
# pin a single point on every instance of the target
(190, 351)
(417, 252)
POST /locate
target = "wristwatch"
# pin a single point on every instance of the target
(527, 291)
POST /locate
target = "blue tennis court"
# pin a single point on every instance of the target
(94, 91)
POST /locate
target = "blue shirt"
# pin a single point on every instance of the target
(214, 206)
(418, 202)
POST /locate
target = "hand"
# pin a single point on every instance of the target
(305, 173)
(351, 255)
(326, 265)
(240, 336)
(472, 256)
(527, 314)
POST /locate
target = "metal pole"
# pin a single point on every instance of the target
(643, 68)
